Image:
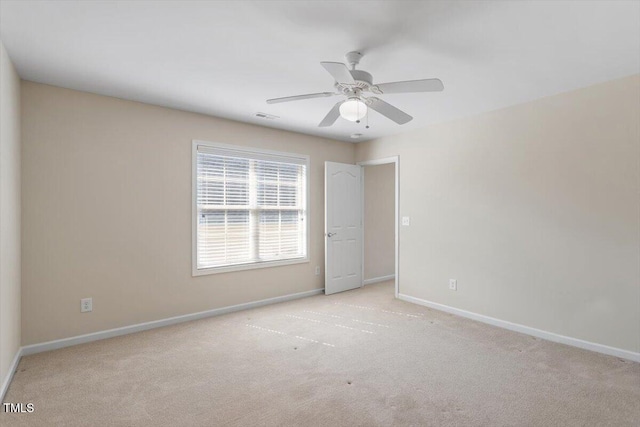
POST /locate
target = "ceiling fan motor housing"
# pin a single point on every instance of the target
(363, 81)
(362, 78)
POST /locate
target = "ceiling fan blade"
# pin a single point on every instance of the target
(300, 97)
(389, 111)
(426, 85)
(331, 117)
(339, 71)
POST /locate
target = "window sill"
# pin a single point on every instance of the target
(251, 266)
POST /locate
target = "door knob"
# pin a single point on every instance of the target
(331, 234)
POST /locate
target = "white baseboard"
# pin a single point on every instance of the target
(95, 336)
(549, 336)
(378, 279)
(12, 369)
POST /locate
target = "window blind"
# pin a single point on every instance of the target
(251, 207)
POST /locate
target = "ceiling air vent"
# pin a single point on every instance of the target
(267, 116)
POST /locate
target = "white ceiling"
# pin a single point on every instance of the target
(226, 58)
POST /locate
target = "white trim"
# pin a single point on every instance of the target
(377, 162)
(549, 336)
(396, 160)
(95, 336)
(253, 152)
(302, 158)
(194, 209)
(249, 266)
(378, 279)
(12, 370)
(362, 223)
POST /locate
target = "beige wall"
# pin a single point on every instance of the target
(107, 213)
(379, 220)
(534, 209)
(9, 213)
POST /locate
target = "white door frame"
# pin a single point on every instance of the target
(386, 160)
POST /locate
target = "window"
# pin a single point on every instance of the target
(250, 208)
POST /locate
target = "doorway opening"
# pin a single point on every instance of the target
(380, 208)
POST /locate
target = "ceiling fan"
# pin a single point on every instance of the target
(353, 84)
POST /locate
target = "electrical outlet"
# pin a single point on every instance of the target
(86, 304)
(406, 221)
(317, 270)
(453, 284)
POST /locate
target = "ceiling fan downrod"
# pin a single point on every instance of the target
(353, 59)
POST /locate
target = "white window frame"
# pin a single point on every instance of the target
(195, 271)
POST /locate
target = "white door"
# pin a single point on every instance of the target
(343, 224)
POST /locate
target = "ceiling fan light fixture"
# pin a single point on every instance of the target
(353, 109)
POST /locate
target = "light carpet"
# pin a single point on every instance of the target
(359, 358)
